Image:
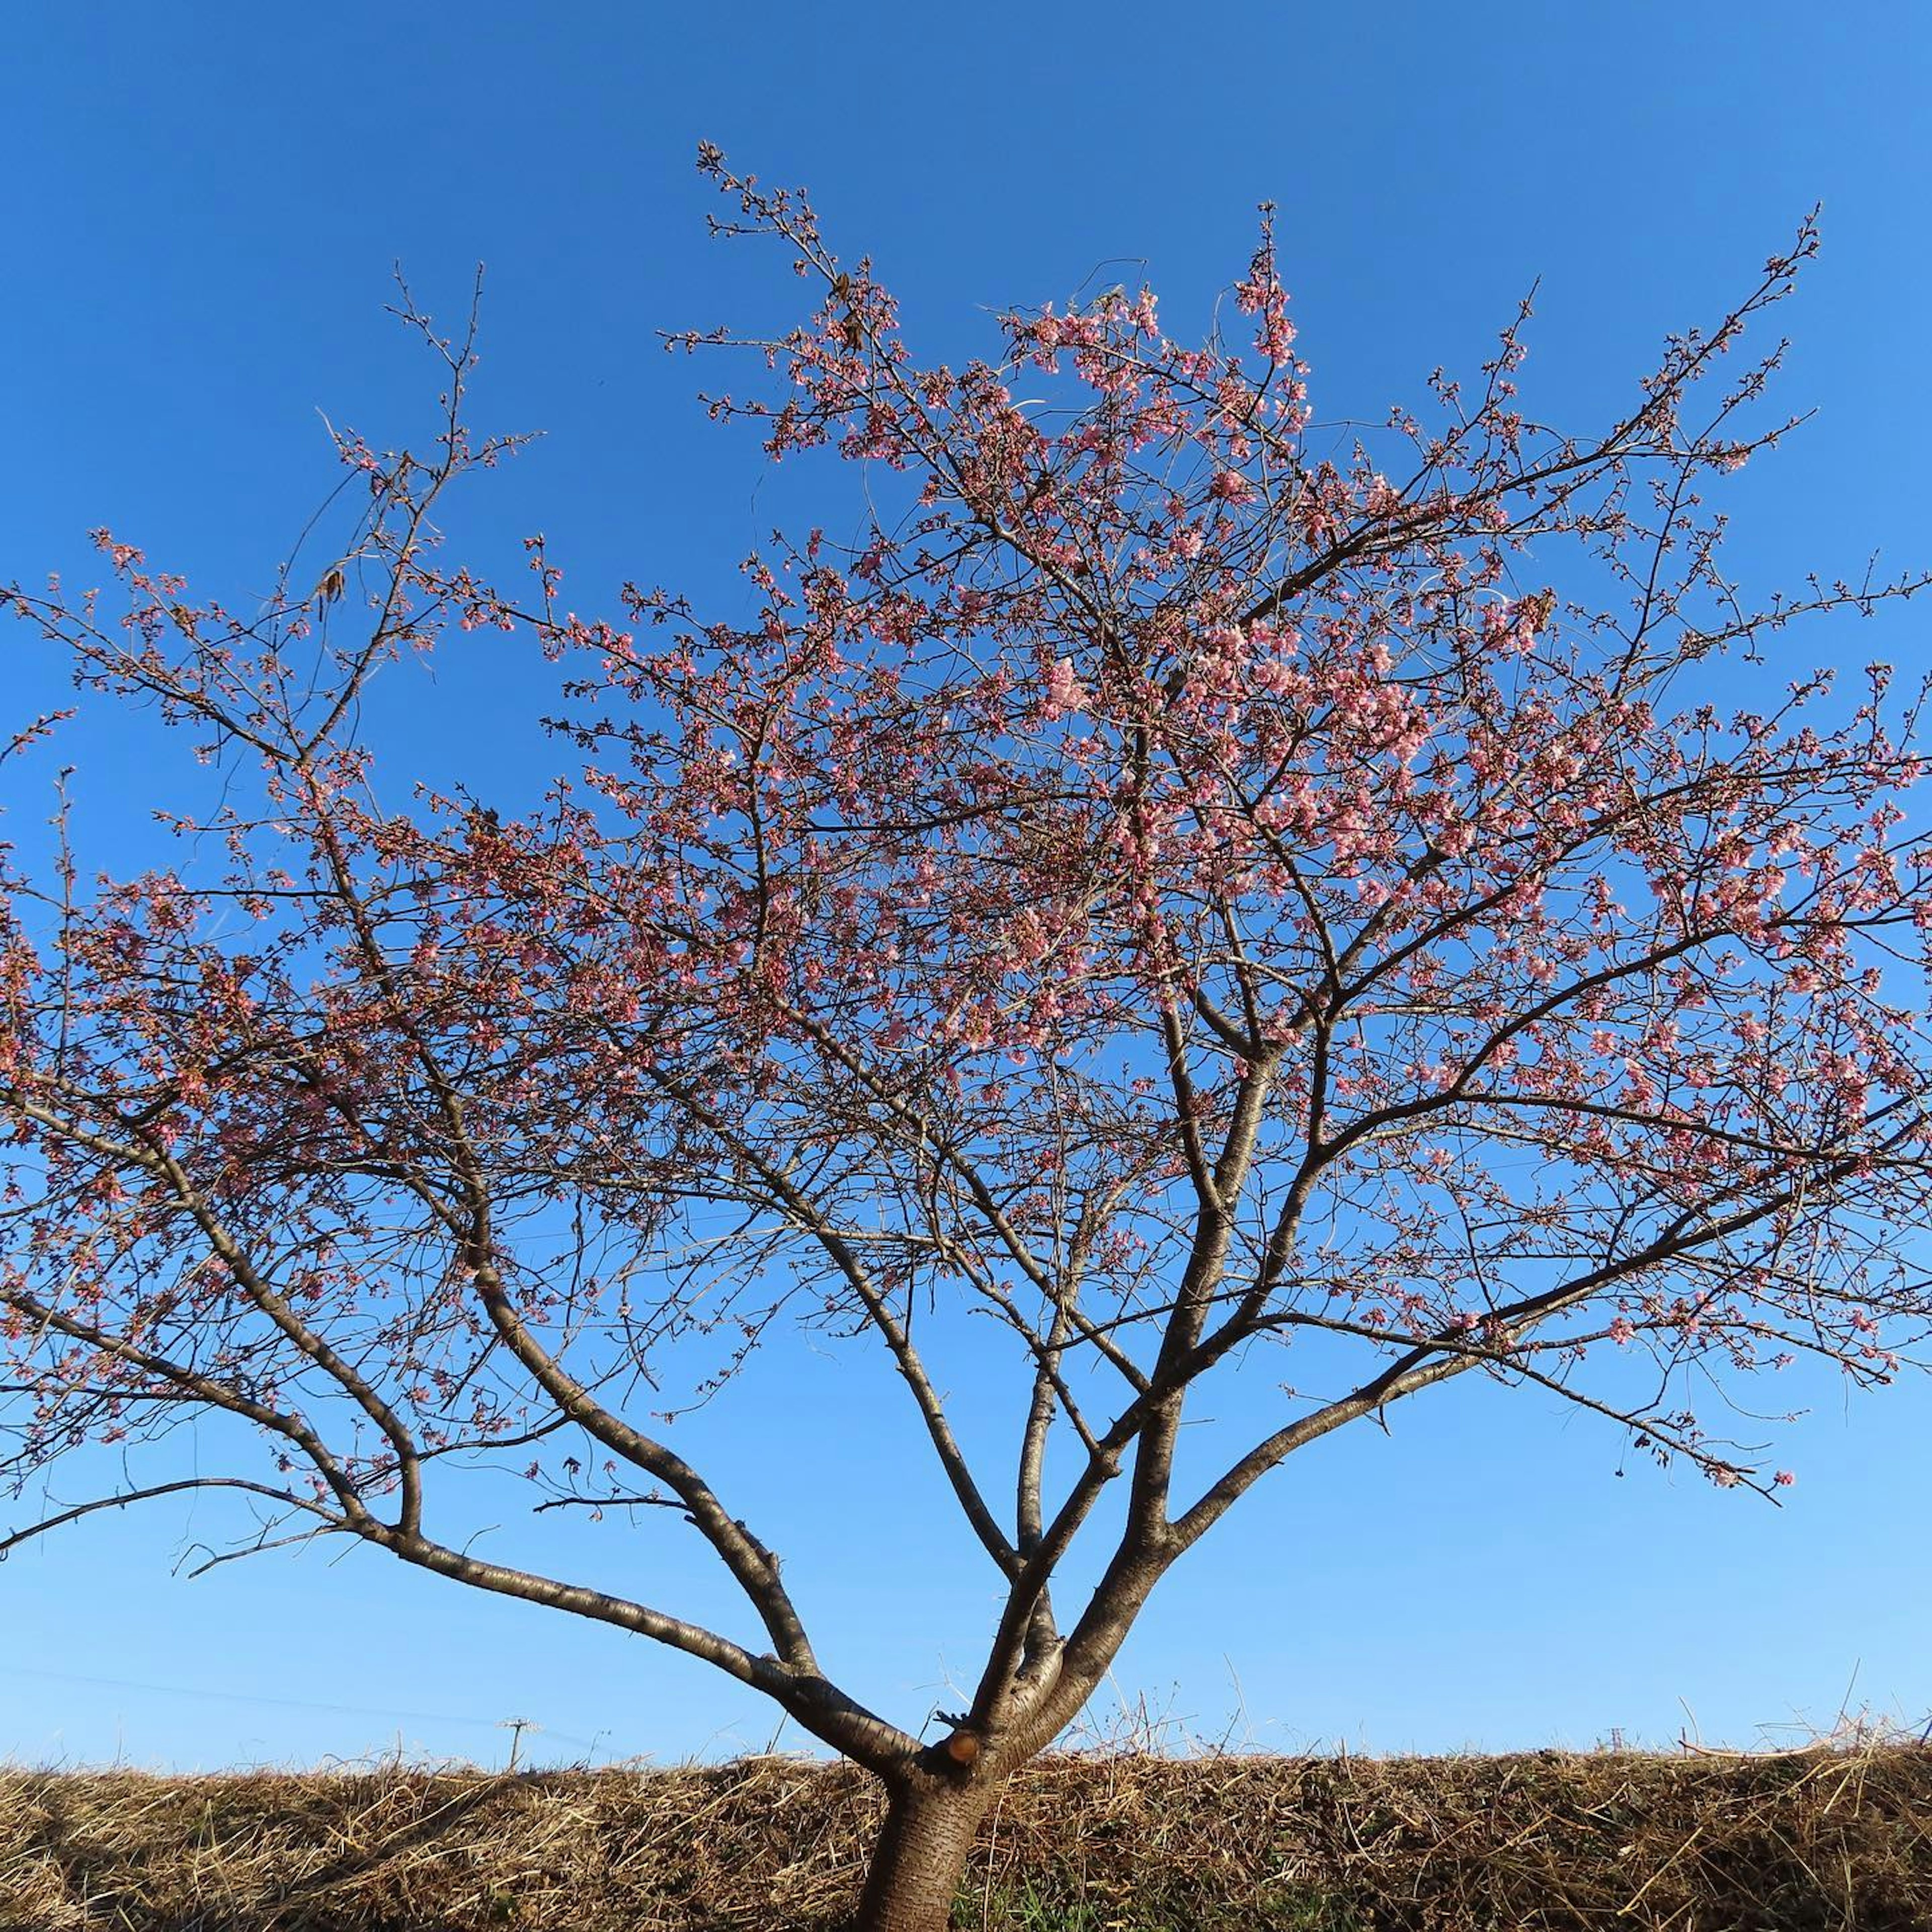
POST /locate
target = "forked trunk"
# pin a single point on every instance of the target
(921, 1855)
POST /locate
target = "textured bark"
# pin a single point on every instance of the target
(921, 1855)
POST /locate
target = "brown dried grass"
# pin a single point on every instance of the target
(1814, 1840)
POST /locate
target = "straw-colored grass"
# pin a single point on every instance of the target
(1805, 1841)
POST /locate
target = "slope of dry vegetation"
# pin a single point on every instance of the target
(1802, 1842)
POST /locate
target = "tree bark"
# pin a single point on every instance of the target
(931, 1821)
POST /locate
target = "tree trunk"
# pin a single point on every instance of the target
(921, 1855)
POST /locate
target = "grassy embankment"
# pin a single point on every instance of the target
(1807, 1841)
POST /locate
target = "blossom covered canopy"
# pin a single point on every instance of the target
(1176, 882)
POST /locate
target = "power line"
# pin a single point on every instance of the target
(286, 1703)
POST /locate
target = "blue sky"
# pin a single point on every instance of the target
(202, 209)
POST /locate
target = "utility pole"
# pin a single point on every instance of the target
(517, 1726)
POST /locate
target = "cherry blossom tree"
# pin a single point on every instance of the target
(1186, 884)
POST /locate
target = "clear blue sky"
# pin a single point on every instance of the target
(202, 208)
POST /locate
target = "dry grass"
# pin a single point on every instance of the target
(1805, 1841)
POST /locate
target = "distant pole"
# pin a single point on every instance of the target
(517, 1726)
